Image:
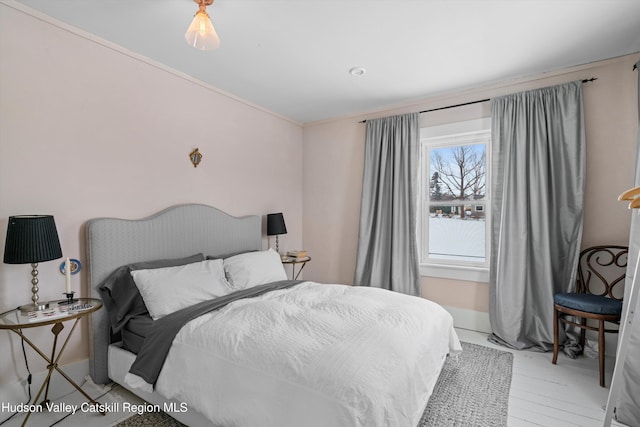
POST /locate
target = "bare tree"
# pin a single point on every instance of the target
(461, 172)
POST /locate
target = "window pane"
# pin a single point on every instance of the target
(457, 172)
(457, 232)
(456, 200)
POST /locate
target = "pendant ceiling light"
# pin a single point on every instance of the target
(201, 33)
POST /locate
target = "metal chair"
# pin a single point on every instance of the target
(598, 296)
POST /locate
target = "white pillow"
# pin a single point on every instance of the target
(165, 290)
(254, 268)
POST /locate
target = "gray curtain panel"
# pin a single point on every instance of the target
(387, 248)
(628, 405)
(538, 173)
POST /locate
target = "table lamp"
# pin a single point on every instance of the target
(275, 227)
(32, 239)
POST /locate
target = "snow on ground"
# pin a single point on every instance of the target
(455, 238)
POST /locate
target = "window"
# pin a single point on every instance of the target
(455, 201)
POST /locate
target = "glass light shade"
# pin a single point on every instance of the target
(201, 33)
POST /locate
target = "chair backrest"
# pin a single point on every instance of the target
(602, 270)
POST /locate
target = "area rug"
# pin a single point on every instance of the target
(472, 391)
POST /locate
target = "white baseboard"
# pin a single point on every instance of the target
(16, 392)
(470, 319)
(479, 321)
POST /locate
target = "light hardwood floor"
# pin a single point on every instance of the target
(542, 394)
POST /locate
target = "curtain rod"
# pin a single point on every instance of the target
(474, 102)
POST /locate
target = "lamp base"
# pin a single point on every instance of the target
(35, 304)
(24, 309)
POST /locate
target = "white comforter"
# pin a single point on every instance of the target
(314, 355)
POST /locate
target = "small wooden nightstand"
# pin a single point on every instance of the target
(294, 262)
(15, 321)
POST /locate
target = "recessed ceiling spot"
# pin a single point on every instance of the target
(357, 71)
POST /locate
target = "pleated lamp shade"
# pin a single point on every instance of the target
(31, 239)
(275, 224)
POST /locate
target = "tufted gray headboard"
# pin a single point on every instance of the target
(176, 232)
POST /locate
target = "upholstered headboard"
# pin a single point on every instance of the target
(175, 232)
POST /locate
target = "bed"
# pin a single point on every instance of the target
(299, 353)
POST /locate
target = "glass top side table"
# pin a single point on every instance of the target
(294, 262)
(15, 321)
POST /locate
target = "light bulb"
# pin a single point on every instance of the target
(201, 33)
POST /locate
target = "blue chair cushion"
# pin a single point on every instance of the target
(589, 303)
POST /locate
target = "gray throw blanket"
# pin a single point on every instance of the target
(158, 341)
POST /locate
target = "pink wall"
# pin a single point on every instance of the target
(333, 162)
(89, 130)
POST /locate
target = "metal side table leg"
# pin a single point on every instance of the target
(53, 364)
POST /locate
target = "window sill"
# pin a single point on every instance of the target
(470, 274)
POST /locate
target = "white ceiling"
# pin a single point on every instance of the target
(293, 56)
